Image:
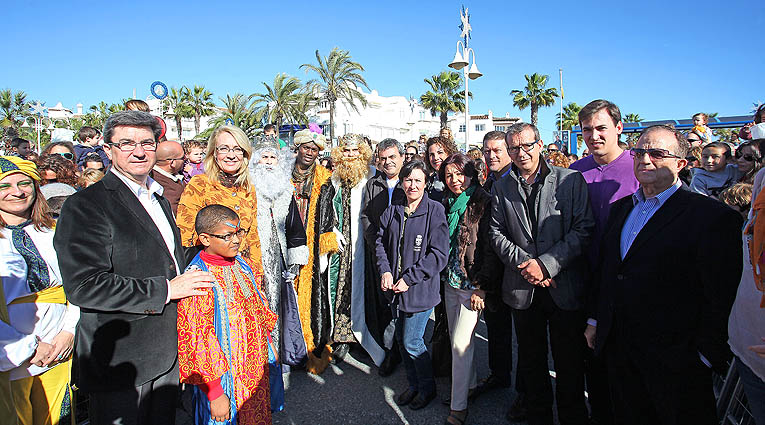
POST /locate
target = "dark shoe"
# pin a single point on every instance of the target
(456, 417)
(421, 401)
(388, 366)
(472, 394)
(518, 411)
(406, 397)
(492, 383)
(339, 352)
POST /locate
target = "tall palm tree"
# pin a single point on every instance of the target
(338, 78)
(445, 95)
(570, 116)
(283, 100)
(632, 118)
(13, 108)
(534, 95)
(237, 108)
(200, 103)
(176, 101)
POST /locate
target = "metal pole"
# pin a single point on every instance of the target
(467, 111)
(38, 127)
(560, 122)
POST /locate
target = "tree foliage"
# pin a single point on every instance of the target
(445, 95)
(534, 95)
(284, 101)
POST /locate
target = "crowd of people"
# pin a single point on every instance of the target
(132, 265)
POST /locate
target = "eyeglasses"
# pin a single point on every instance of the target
(656, 154)
(527, 147)
(225, 150)
(748, 157)
(694, 140)
(67, 155)
(22, 185)
(130, 145)
(240, 233)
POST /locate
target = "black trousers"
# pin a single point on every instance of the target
(599, 396)
(153, 403)
(566, 330)
(674, 388)
(499, 329)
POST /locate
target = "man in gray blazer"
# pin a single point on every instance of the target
(541, 224)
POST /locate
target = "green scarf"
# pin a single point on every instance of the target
(455, 208)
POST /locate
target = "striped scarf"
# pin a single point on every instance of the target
(37, 269)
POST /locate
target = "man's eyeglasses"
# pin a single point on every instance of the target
(527, 147)
(225, 150)
(67, 155)
(129, 145)
(653, 153)
(240, 233)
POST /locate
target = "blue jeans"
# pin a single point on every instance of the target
(410, 334)
(754, 388)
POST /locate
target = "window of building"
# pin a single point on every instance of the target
(480, 127)
(422, 115)
(499, 128)
(462, 128)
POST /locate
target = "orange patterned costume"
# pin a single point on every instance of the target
(206, 340)
(201, 192)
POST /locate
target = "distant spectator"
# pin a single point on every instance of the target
(326, 162)
(447, 132)
(411, 151)
(716, 174)
(700, 121)
(552, 147)
(56, 194)
(20, 147)
(271, 130)
(572, 158)
(93, 160)
(90, 176)
(734, 139)
(64, 149)
(748, 160)
(169, 156)
(33, 156)
(475, 153)
(137, 105)
(624, 145)
(89, 138)
(557, 158)
(55, 168)
(759, 116)
(694, 161)
(694, 139)
(438, 149)
(738, 197)
(195, 151)
(481, 169)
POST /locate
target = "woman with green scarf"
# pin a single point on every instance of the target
(468, 208)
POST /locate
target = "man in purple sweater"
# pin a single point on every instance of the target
(609, 176)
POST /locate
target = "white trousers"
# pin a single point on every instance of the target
(462, 322)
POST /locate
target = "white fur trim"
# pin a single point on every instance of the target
(297, 255)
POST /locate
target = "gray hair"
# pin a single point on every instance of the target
(131, 118)
(519, 128)
(389, 143)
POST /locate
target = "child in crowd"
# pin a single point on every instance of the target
(195, 154)
(738, 197)
(223, 334)
(89, 138)
(700, 121)
(716, 173)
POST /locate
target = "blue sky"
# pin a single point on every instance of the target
(662, 60)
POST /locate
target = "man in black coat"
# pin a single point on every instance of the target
(670, 265)
(120, 255)
(382, 190)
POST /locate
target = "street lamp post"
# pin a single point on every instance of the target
(461, 61)
(38, 111)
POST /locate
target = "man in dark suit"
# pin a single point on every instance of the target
(169, 163)
(382, 190)
(120, 255)
(670, 265)
(541, 223)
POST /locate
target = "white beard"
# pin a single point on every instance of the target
(272, 181)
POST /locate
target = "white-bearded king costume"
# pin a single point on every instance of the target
(283, 245)
(345, 277)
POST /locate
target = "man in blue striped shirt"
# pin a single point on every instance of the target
(670, 264)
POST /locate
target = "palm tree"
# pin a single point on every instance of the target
(445, 95)
(284, 100)
(13, 108)
(632, 138)
(237, 108)
(176, 101)
(338, 79)
(200, 103)
(632, 118)
(534, 95)
(570, 116)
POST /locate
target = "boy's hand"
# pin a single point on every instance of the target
(190, 283)
(220, 408)
(187, 168)
(386, 282)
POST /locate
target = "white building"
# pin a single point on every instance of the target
(479, 126)
(188, 131)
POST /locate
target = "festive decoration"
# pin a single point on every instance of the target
(159, 90)
(38, 108)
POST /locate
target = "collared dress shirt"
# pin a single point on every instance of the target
(644, 208)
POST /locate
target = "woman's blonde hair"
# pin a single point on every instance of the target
(90, 176)
(212, 169)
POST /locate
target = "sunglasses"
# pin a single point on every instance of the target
(653, 153)
(748, 157)
(694, 140)
(67, 155)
